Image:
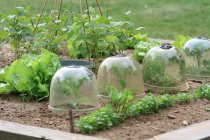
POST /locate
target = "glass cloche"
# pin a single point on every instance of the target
(197, 56)
(122, 72)
(164, 69)
(73, 87)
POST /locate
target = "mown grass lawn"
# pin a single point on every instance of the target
(161, 18)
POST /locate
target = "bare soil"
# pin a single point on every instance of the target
(6, 56)
(144, 127)
(13, 109)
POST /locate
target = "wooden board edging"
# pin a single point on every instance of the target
(16, 131)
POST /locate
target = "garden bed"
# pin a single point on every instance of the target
(13, 109)
(37, 114)
(39, 43)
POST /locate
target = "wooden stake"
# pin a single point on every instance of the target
(59, 13)
(71, 121)
(99, 7)
(40, 16)
(80, 5)
(88, 10)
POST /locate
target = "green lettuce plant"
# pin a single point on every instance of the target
(30, 76)
(180, 40)
(142, 47)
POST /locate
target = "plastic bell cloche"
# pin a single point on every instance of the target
(73, 87)
(122, 72)
(164, 69)
(197, 56)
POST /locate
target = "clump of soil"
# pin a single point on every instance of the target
(7, 56)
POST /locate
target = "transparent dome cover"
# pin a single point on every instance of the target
(74, 88)
(164, 69)
(197, 56)
(122, 72)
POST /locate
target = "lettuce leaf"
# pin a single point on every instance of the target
(4, 74)
(6, 88)
(46, 65)
(22, 75)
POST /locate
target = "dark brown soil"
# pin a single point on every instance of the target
(37, 114)
(13, 109)
(167, 120)
(6, 56)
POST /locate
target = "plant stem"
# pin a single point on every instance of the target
(53, 15)
(99, 7)
(115, 50)
(88, 10)
(59, 14)
(89, 53)
(45, 2)
(32, 23)
(72, 17)
(107, 13)
(16, 50)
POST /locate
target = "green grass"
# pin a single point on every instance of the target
(161, 18)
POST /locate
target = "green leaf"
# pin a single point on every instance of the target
(141, 37)
(111, 39)
(180, 41)
(6, 88)
(4, 73)
(46, 65)
(22, 75)
(141, 49)
(103, 20)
